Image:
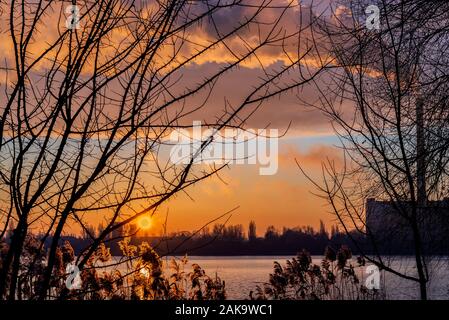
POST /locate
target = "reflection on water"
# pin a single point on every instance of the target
(243, 273)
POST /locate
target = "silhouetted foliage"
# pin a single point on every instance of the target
(300, 279)
(140, 274)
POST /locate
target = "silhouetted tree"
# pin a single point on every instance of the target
(271, 233)
(252, 234)
(323, 231)
(87, 109)
(387, 100)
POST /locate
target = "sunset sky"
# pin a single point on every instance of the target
(283, 199)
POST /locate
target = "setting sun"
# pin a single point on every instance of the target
(145, 223)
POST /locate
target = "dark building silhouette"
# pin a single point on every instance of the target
(388, 223)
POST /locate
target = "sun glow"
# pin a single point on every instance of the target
(145, 223)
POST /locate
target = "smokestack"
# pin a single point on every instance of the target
(420, 154)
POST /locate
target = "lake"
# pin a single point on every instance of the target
(243, 273)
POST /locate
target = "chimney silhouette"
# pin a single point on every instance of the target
(420, 154)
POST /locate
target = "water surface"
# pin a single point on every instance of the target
(243, 273)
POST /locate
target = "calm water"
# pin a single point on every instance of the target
(243, 273)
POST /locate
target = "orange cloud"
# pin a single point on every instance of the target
(313, 158)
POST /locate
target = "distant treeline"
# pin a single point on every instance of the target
(233, 240)
(226, 240)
